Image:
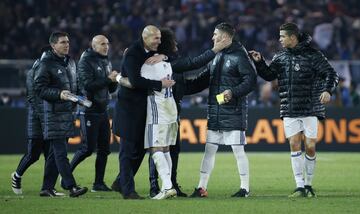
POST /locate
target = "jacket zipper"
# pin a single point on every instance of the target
(219, 80)
(290, 84)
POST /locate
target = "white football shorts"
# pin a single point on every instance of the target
(308, 125)
(160, 135)
(235, 137)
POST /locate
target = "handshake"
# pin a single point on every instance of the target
(67, 95)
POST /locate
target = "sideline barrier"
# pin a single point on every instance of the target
(339, 132)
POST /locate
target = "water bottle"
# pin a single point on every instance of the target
(84, 102)
(79, 99)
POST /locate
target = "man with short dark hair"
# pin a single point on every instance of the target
(231, 77)
(36, 142)
(306, 81)
(96, 81)
(55, 80)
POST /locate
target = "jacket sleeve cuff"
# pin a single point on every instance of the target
(233, 92)
(108, 81)
(331, 90)
(158, 86)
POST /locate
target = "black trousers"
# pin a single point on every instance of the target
(57, 159)
(95, 132)
(36, 145)
(130, 157)
(34, 149)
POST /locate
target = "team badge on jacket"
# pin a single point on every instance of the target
(227, 64)
(297, 67)
(73, 70)
(88, 123)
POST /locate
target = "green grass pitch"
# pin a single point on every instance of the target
(337, 181)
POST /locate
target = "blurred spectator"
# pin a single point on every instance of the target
(198, 100)
(342, 96)
(335, 24)
(323, 35)
(5, 100)
(267, 96)
(354, 93)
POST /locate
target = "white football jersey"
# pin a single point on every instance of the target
(161, 106)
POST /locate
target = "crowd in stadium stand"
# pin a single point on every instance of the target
(333, 24)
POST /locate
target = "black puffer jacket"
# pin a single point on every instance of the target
(231, 69)
(34, 130)
(93, 71)
(179, 66)
(303, 73)
(30, 76)
(130, 110)
(54, 75)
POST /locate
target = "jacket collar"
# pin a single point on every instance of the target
(91, 53)
(233, 47)
(50, 55)
(304, 42)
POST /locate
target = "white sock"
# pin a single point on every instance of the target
(168, 159)
(297, 163)
(310, 163)
(207, 164)
(243, 166)
(163, 169)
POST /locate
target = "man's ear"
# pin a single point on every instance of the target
(222, 36)
(146, 40)
(225, 36)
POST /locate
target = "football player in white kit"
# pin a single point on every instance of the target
(178, 64)
(161, 125)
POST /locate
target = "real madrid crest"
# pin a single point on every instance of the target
(297, 67)
(227, 64)
(88, 123)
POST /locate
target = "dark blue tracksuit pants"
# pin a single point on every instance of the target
(36, 145)
(95, 132)
(57, 159)
(34, 149)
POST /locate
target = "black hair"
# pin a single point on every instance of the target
(168, 42)
(291, 29)
(54, 37)
(227, 28)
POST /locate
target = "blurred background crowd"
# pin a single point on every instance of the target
(333, 24)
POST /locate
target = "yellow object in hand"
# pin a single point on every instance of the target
(220, 98)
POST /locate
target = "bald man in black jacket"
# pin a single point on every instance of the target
(130, 110)
(96, 81)
(168, 47)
